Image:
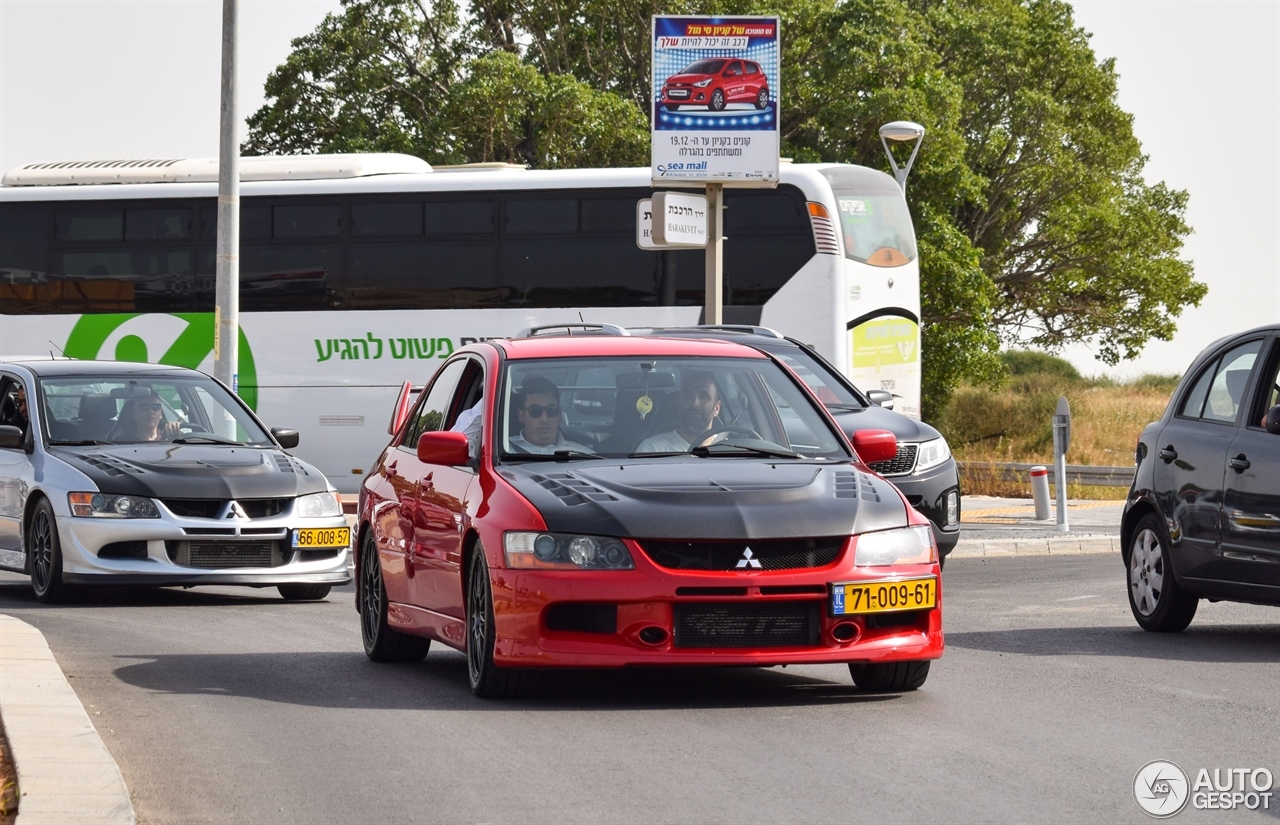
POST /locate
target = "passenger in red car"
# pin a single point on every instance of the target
(538, 411)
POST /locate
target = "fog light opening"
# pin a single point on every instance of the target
(654, 635)
(845, 632)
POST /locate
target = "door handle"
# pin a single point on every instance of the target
(1239, 463)
(1168, 454)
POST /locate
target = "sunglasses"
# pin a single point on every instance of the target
(536, 410)
(150, 407)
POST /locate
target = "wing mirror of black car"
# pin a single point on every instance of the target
(447, 449)
(287, 436)
(881, 398)
(10, 437)
(1272, 420)
(874, 446)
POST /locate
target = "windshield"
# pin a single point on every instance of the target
(828, 387)
(646, 407)
(703, 67)
(128, 409)
(877, 228)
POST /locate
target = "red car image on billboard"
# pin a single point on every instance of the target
(715, 83)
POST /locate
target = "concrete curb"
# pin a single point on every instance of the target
(1055, 546)
(66, 776)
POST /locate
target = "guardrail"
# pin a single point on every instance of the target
(1076, 473)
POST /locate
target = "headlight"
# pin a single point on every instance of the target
(101, 505)
(565, 551)
(318, 505)
(932, 453)
(905, 545)
(702, 84)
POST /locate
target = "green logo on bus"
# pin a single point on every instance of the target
(193, 345)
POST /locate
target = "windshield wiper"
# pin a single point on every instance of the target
(709, 450)
(85, 443)
(206, 439)
(558, 455)
(848, 407)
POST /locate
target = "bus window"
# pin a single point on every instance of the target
(309, 221)
(386, 220)
(542, 217)
(157, 224)
(90, 225)
(460, 218)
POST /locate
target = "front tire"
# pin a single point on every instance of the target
(303, 592)
(381, 643)
(488, 681)
(45, 553)
(762, 98)
(717, 101)
(894, 677)
(1157, 602)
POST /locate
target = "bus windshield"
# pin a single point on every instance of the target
(877, 228)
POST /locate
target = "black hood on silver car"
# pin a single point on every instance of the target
(193, 471)
(708, 498)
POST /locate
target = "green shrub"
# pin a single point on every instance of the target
(1026, 362)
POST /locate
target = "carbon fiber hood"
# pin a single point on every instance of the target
(708, 498)
(168, 470)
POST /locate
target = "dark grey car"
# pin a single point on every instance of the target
(1203, 517)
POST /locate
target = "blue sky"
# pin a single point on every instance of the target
(88, 79)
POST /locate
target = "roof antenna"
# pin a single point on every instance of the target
(58, 348)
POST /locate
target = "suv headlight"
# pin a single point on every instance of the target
(102, 505)
(932, 453)
(565, 551)
(318, 505)
(905, 545)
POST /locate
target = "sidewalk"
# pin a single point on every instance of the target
(1008, 527)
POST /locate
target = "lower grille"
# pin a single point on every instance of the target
(210, 555)
(759, 624)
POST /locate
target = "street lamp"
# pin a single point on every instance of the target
(901, 130)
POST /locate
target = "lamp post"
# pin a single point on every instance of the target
(901, 130)
(226, 334)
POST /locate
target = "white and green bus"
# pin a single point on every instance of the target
(360, 272)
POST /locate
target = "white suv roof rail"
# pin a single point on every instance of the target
(583, 329)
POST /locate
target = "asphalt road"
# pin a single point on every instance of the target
(223, 705)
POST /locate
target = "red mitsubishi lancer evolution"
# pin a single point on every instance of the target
(604, 500)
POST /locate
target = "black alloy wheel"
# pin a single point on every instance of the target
(45, 556)
(488, 681)
(1157, 602)
(890, 677)
(381, 643)
(304, 592)
(717, 101)
(762, 99)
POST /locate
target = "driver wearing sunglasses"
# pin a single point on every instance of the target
(142, 419)
(538, 411)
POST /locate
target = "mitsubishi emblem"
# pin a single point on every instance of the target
(234, 510)
(747, 561)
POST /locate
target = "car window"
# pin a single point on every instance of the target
(1193, 402)
(436, 403)
(827, 387)
(10, 412)
(624, 406)
(752, 68)
(1226, 393)
(1267, 392)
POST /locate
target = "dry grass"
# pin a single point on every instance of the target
(1015, 424)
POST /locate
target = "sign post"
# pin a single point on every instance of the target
(714, 119)
(1061, 442)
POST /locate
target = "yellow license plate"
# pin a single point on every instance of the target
(315, 537)
(883, 597)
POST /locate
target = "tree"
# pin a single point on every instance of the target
(1036, 226)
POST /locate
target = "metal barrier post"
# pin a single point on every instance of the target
(1040, 492)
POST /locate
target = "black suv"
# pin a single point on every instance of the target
(923, 469)
(1203, 516)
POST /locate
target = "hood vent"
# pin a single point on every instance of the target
(846, 485)
(288, 464)
(867, 488)
(570, 489)
(111, 466)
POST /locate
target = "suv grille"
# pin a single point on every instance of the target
(756, 624)
(772, 554)
(901, 464)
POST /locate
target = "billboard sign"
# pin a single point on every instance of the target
(716, 86)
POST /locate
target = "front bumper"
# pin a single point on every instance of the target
(927, 492)
(648, 599)
(94, 551)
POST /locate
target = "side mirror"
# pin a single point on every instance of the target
(401, 410)
(287, 436)
(10, 437)
(881, 398)
(447, 449)
(874, 446)
(1272, 420)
